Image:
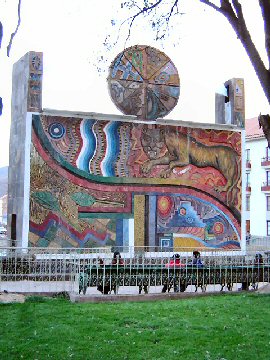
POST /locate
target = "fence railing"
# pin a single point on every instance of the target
(94, 270)
(258, 243)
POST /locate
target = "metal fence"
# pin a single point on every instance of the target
(258, 243)
(141, 270)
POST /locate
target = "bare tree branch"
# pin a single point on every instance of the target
(169, 15)
(207, 2)
(172, 8)
(225, 9)
(16, 30)
(230, 9)
(235, 17)
(226, 6)
(142, 11)
(240, 25)
(147, 10)
(265, 9)
(1, 33)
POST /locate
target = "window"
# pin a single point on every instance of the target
(267, 178)
(13, 229)
(248, 203)
(248, 154)
(248, 178)
(248, 226)
(267, 153)
(268, 227)
(268, 203)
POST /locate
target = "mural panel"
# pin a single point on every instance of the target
(189, 217)
(85, 174)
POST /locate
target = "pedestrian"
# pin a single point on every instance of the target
(197, 258)
(117, 259)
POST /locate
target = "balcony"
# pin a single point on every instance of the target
(265, 161)
(248, 187)
(248, 164)
(266, 186)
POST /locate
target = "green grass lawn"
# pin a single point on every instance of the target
(227, 327)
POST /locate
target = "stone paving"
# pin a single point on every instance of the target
(6, 298)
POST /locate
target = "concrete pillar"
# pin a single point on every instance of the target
(26, 98)
(230, 108)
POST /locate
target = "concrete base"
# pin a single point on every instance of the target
(139, 298)
(264, 289)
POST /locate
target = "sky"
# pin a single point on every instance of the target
(71, 34)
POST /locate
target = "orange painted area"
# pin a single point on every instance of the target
(186, 244)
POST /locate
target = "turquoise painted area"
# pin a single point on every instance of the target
(125, 232)
(119, 232)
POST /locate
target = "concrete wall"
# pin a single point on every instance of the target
(86, 180)
(258, 214)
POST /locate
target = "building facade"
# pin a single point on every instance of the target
(257, 180)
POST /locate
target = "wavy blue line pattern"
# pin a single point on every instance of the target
(101, 145)
(111, 131)
(89, 145)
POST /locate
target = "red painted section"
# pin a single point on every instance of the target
(76, 233)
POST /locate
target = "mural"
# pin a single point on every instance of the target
(92, 179)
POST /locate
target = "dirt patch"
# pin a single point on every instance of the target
(6, 298)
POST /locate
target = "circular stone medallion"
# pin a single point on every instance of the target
(144, 82)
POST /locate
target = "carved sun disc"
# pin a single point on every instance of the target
(144, 82)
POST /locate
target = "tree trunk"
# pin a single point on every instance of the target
(232, 10)
(262, 72)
